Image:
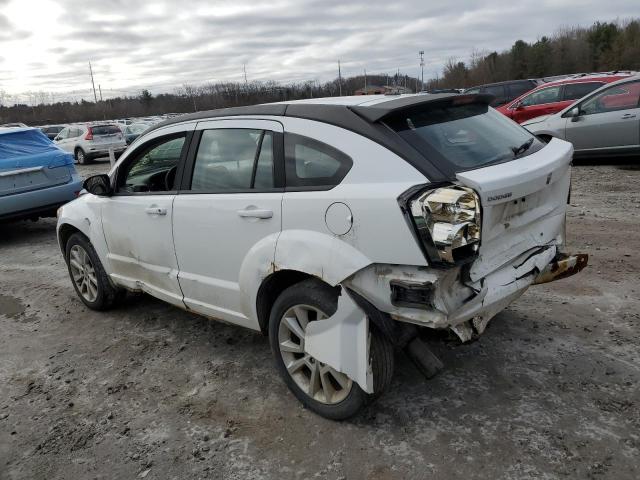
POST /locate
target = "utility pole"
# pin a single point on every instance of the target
(95, 97)
(244, 69)
(365, 81)
(339, 79)
(422, 69)
(100, 90)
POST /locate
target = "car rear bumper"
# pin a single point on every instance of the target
(37, 203)
(103, 151)
(442, 299)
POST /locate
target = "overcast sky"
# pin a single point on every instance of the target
(45, 45)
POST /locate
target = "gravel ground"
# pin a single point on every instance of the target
(150, 391)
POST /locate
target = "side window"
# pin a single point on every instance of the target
(574, 91)
(619, 97)
(520, 88)
(153, 168)
(540, 97)
(473, 90)
(63, 134)
(231, 160)
(498, 92)
(310, 163)
(75, 132)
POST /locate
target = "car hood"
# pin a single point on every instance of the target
(539, 119)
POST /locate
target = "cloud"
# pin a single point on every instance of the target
(134, 45)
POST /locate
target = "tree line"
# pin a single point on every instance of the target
(604, 46)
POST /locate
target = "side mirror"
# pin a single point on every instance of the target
(574, 114)
(99, 185)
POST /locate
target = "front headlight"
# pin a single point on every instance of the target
(448, 222)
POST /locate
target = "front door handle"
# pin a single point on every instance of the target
(155, 211)
(628, 115)
(255, 213)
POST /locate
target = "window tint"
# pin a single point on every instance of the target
(540, 97)
(498, 92)
(310, 163)
(463, 137)
(154, 168)
(519, 88)
(105, 130)
(264, 166)
(578, 90)
(64, 133)
(225, 160)
(620, 97)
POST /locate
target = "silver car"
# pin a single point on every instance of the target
(87, 142)
(605, 122)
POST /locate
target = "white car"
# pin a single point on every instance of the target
(605, 122)
(340, 227)
(90, 141)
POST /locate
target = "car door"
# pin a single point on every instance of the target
(537, 103)
(63, 141)
(230, 201)
(608, 120)
(137, 218)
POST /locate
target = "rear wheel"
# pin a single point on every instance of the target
(318, 386)
(89, 279)
(81, 157)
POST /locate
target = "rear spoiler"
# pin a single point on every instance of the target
(378, 112)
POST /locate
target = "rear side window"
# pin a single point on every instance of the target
(310, 163)
(463, 137)
(520, 88)
(232, 160)
(498, 92)
(105, 130)
(575, 91)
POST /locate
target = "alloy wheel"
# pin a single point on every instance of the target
(83, 273)
(316, 379)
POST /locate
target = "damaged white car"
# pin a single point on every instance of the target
(339, 227)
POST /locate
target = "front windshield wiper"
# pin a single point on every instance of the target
(522, 148)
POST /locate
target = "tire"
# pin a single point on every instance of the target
(81, 157)
(90, 283)
(347, 399)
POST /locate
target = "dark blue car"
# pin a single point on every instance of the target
(36, 177)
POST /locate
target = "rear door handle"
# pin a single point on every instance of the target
(255, 213)
(155, 211)
(628, 115)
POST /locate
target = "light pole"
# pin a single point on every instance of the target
(422, 70)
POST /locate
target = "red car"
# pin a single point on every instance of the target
(552, 97)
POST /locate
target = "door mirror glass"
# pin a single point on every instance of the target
(99, 185)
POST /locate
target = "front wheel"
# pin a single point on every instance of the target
(318, 386)
(89, 279)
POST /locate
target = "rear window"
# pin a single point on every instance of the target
(463, 137)
(105, 130)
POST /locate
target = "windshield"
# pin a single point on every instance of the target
(464, 137)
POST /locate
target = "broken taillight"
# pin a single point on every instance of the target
(447, 221)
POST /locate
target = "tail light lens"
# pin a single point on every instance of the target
(89, 135)
(447, 221)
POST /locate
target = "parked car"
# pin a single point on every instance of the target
(606, 122)
(13, 125)
(505, 92)
(336, 226)
(552, 97)
(87, 142)
(133, 131)
(52, 131)
(36, 177)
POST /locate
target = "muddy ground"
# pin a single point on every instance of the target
(150, 391)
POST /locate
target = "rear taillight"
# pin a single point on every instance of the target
(447, 222)
(89, 135)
